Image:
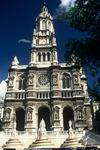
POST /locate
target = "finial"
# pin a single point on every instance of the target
(44, 3)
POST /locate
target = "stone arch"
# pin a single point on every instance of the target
(39, 57)
(20, 119)
(44, 25)
(66, 81)
(48, 56)
(44, 113)
(68, 114)
(49, 25)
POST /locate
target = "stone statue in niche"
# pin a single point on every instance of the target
(79, 114)
(11, 81)
(29, 115)
(76, 79)
(55, 79)
(56, 113)
(30, 80)
(7, 116)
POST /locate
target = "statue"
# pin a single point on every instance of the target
(11, 82)
(30, 81)
(56, 114)
(70, 131)
(7, 116)
(42, 127)
(42, 130)
(29, 115)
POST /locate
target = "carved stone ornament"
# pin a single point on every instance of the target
(56, 113)
(75, 79)
(11, 80)
(55, 79)
(43, 79)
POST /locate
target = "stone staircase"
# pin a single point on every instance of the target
(53, 139)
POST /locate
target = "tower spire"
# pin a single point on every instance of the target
(44, 3)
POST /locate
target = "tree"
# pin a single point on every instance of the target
(85, 17)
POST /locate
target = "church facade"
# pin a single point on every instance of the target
(44, 88)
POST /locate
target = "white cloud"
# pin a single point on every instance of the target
(3, 89)
(24, 41)
(66, 4)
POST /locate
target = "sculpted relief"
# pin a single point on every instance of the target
(31, 79)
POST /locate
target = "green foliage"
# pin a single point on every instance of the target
(85, 17)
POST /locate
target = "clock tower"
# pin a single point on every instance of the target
(44, 46)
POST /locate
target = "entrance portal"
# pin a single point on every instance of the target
(20, 119)
(44, 113)
(67, 115)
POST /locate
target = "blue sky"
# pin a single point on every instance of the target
(17, 21)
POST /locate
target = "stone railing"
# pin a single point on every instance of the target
(20, 95)
(15, 95)
(43, 95)
(71, 93)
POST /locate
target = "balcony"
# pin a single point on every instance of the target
(43, 95)
(71, 93)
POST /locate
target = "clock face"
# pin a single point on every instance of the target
(43, 79)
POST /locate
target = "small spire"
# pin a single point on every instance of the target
(15, 61)
(44, 8)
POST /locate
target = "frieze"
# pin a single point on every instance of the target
(56, 93)
(31, 94)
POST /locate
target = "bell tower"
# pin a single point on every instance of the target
(44, 46)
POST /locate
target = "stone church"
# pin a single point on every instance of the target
(44, 88)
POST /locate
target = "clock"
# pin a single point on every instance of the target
(43, 79)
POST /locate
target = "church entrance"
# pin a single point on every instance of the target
(68, 114)
(20, 119)
(44, 113)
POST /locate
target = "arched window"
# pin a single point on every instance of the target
(49, 25)
(44, 56)
(66, 81)
(22, 84)
(39, 57)
(44, 25)
(48, 56)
